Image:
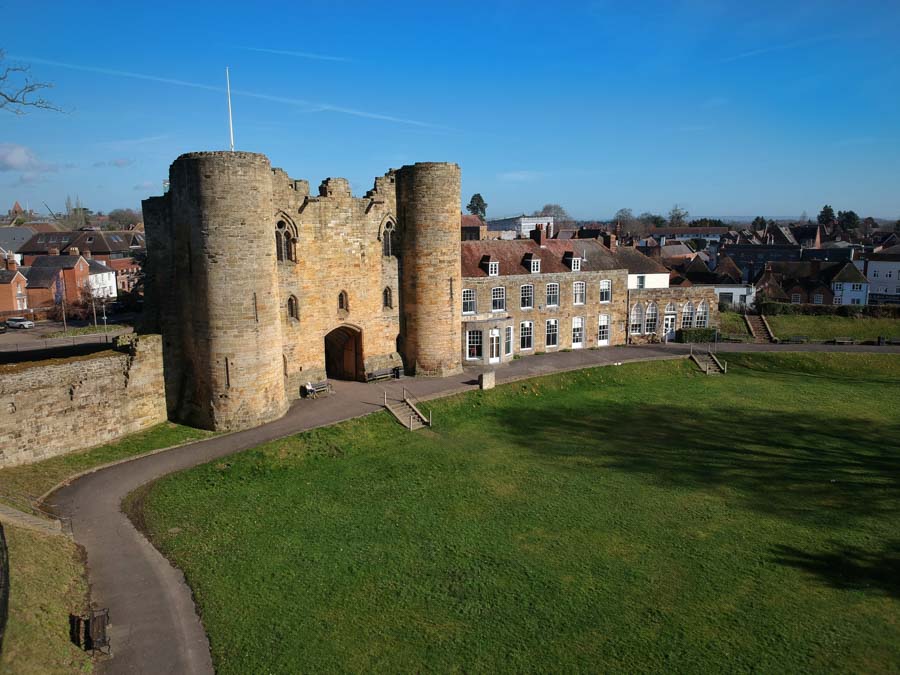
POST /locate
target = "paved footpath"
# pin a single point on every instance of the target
(154, 624)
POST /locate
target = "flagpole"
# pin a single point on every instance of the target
(230, 123)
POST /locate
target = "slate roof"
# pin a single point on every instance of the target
(6, 276)
(96, 241)
(11, 238)
(97, 267)
(66, 262)
(813, 273)
(40, 277)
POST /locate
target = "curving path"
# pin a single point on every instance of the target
(155, 627)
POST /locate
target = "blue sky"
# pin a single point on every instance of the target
(727, 108)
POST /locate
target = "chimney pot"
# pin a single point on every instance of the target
(538, 235)
(74, 251)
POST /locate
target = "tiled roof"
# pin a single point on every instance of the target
(887, 254)
(511, 254)
(468, 220)
(97, 267)
(40, 277)
(6, 276)
(636, 262)
(11, 238)
(815, 273)
(56, 261)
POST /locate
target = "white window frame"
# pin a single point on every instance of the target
(687, 315)
(556, 287)
(856, 287)
(579, 288)
(641, 281)
(701, 315)
(535, 265)
(498, 299)
(474, 345)
(522, 298)
(508, 340)
(578, 331)
(651, 313)
(798, 299)
(636, 319)
(603, 330)
(471, 299)
(526, 336)
(605, 290)
(836, 300)
(818, 299)
(838, 286)
(555, 324)
(576, 263)
(493, 269)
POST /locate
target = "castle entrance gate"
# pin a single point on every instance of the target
(343, 354)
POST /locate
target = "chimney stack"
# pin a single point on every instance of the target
(74, 251)
(538, 234)
(87, 255)
(11, 263)
(52, 251)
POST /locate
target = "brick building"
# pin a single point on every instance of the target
(13, 296)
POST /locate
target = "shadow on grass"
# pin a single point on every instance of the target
(810, 468)
(848, 567)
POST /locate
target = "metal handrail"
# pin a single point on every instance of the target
(409, 396)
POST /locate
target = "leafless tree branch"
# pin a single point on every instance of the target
(18, 92)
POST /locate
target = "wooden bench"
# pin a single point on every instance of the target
(96, 624)
(383, 374)
(798, 339)
(844, 341)
(313, 389)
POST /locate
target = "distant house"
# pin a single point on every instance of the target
(13, 238)
(882, 270)
(13, 296)
(726, 280)
(519, 227)
(815, 283)
(472, 228)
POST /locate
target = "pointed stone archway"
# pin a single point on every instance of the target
(344, 354)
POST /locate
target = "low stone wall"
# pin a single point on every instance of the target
(52, 408)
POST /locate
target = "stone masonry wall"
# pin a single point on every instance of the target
(57, 408)
(677, 296)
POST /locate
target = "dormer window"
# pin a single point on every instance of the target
(493, 268)
(572, 261)
(535, 265)
(576, 264)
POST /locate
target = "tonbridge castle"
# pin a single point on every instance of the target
(258, 286)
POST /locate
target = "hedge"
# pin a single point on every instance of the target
(696, 335)
(873, 311)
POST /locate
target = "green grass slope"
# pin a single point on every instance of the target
(637, 518)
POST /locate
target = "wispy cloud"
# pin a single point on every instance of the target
(310, 106)
(520, 176)
(300, 55)
(115, 163)
(143, 186)
(779, 48)
(15, 157)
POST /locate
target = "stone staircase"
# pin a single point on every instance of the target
(759, 329)
(407, 413)
(709, 363)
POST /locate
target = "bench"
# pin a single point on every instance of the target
(96, 638)
(844, 341)
(798, 339)
(313, 389)
(383, 374)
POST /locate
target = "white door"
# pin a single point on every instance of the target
(495, 346)
(669, 326)
(577, 332)
(603, 331)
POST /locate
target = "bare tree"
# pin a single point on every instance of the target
(18, 92)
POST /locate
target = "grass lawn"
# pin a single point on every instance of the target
(30, 481)
(830, 327)
(732, 323)
(83, 330)
(46, 585)
(634, 518)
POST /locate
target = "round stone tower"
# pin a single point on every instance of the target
(428, 203)
(227, 296)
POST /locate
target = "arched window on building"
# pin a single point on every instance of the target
(687, 315)
(651, 319)
(701, 320)
(636, 325)
(293, 308)
(387, 300)
(343, 302)
(670, 308)
(389, 244)
(285, 241)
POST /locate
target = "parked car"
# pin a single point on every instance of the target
(2, 328)
(19, 322)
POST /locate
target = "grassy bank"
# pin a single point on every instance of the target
(829, 327)
(732, 323)
(637, 518)
(32, 480)
(84, 330)
(46, 585)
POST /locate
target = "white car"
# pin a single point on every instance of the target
(19, 322)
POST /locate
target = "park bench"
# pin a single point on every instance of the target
(96, 623)
(798, 339)
(383, 374)
(844, 341)
(313, 389)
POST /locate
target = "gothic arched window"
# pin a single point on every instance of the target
(285, 241)
(387, 299)
(293, 308)
(343, 303)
